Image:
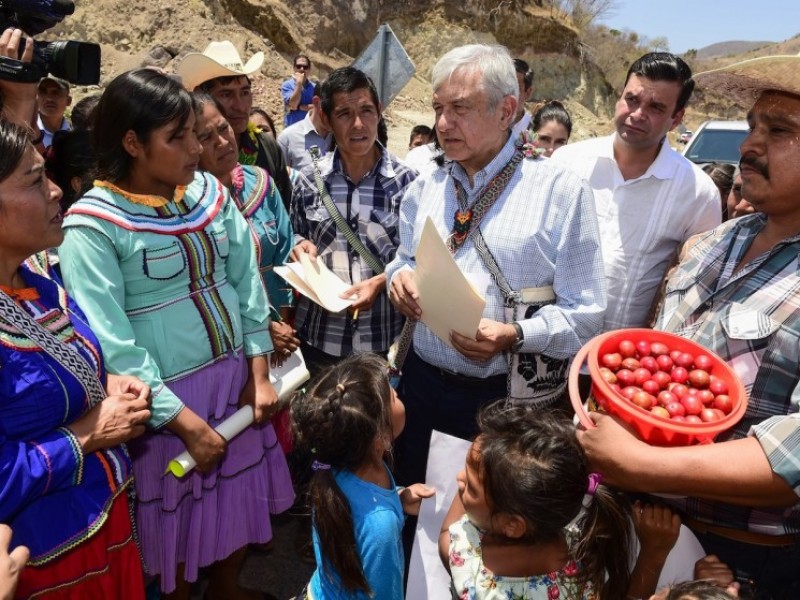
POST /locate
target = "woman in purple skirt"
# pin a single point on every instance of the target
(163, 264)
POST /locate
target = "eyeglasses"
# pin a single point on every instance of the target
(303, 67)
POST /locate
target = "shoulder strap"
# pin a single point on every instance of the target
(351, 237)
(66, 355)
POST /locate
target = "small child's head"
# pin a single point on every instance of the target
(696, 590)
(526, 474)
(347, 410)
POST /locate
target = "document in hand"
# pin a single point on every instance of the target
(285, 379)
(316, 282)
(448, 300)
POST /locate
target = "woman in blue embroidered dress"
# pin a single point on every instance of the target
(64, 477)
(259, 201)
(164, 264)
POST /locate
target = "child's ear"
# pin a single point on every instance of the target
(513, 526)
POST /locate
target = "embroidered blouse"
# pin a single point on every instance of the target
(259, 201)
(168, 289)
(53, 497)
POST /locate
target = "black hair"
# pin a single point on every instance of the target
(552, 110)
(14, 141)
(141, 101)
(345, 79)
(532, 466)
(208, 86)
(338, 420)
(260, 111)
(664, 66)
(83, 112)
(70, 155)
(698, 590)
(722, 176)
(294, 60)
(522, 67)
(422, 130)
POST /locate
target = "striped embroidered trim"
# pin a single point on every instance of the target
(258, 191)
(210, 201)
(77, 452)
(144, 199)
(84, 535)
(46, 457)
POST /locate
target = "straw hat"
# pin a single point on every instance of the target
(744, 81)
(219, 59)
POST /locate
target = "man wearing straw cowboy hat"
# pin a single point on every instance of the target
(738, 293)
(220, 71)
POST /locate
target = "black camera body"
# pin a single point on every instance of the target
(76, 62)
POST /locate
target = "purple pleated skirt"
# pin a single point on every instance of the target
(204, 517)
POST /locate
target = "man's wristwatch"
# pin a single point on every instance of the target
(520, 337)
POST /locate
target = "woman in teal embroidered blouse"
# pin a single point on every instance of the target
(259, 201)
(164, 265)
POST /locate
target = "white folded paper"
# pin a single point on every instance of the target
(316, 282)
(286, 379)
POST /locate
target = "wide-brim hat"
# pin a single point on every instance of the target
(744, 81)
(219, 59)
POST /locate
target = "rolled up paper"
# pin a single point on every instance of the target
(286, 379)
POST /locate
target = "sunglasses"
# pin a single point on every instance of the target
(304, 67)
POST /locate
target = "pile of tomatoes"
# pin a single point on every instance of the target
(670, 384)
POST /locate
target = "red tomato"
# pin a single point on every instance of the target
(658, 348)
(679, 375)
(625, 377)
(665, 363)
(674, 354)
(678, 389)
(649, 363)
(643, 348)
(692, 419)
(692, 404)
(706, 397)
(709, 415)
(615, 387)
(684, 360)
(675, 409)
(703, 361)
(659, 411)
(643, 400)
(630, 363)
(679, 419)
(641, 375)
(663, 379)
(717, 386)
(666, 397)
(627, 349)
(698, 378)
(612, 360)
(629, 391)
(723, 403)
(651, 387)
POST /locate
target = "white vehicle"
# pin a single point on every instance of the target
(716, 141)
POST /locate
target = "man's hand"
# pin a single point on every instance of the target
(365, 292)
(304, 247)
(611, 446)
(492, 338)
(711, 567)
(18, 99)
(404, 295)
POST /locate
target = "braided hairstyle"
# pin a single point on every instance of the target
(338, 420)
(532, 466)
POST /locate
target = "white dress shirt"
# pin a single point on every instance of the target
(643, 222)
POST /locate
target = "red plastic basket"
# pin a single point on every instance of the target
(650, 428)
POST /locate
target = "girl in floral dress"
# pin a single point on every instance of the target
(529, 521)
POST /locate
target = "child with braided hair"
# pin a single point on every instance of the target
(348, 420)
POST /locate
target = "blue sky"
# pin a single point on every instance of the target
(697, 23)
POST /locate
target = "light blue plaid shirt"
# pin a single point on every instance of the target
(542, 231)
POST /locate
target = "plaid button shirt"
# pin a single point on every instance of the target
(371, 208)
(751, 319)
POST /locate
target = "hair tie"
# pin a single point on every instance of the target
(595, 479)
(319, 466)
(340, 388)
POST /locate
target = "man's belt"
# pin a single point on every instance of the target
(740, 535)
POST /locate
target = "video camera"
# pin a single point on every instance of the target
(77, 62)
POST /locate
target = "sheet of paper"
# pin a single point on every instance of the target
(316, 282)
(448, 300)
(427, 578)
(286, 379)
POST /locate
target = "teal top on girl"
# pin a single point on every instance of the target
(378, 522)
(259, 201)
(168, 286)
